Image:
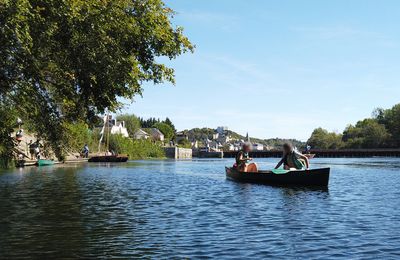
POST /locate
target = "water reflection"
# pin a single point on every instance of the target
(168, 209)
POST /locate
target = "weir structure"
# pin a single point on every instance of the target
(348, 153)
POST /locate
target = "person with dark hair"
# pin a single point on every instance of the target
(292, 159)
(243, 159)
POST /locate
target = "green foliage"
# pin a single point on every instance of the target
(381, 131)
(167, 131)
(148, 123)
(78, 134)
(184, 143)
(367, 133)
(63, 61)
(322, 139)
(200, 134)
(132, 123)
(169, 122)
(7, 122)
(136, 149)
(391, 119)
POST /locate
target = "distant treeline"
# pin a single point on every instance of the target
(382, 130)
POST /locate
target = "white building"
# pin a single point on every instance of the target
(146, 133)
(119, 128)
(258, 147)
(215, 136)
(140, 134)
(155, 134)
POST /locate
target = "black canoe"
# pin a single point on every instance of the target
(314, 177)
(108, 158)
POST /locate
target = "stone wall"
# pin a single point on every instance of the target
(178, 153)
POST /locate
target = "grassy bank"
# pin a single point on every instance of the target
(136, 149)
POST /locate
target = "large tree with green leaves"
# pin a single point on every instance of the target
(322, 139)
(68, 60)
(367, 133)
(391, 119)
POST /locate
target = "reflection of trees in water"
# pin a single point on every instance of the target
(41, 213)
(59, 211)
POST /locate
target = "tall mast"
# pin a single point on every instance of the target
(108, 132)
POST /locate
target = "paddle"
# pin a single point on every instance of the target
(279, 171)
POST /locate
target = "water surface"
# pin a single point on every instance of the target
(187, 209)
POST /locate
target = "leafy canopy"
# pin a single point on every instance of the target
(68, 60)
(380, 131)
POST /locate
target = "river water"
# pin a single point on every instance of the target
(187, 209)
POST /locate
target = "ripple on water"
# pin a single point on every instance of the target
(187, 209)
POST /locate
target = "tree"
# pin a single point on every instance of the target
(132, 123)
(150, 122)
(367, 133)
(8, 121)
(63, 61)
(391, 120)
(167, 131)
(322, 139)
(169, 122)
(184, 143)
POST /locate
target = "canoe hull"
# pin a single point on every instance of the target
(314, 177)
(108, 158)
(45, 162)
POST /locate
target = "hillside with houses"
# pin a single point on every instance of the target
(223, 139)
(205, 139)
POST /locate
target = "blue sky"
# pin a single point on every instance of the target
(280, 68)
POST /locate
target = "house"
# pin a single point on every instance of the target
(140, 134)
(146, 133)
(224, 139)
(258, 147)
(119, 128)
(215, 136)
(213, 146)
(113, 127)
(181, 136)
(154, 134)
(231, 147)
(195, 144)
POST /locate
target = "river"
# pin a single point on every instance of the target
(187, 209)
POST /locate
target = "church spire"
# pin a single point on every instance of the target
(247, 137)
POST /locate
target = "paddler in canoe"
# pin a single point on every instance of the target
(292, 159)
(243, 160)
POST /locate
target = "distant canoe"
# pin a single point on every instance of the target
(42, 162)
(108, 158)
(314, 177)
